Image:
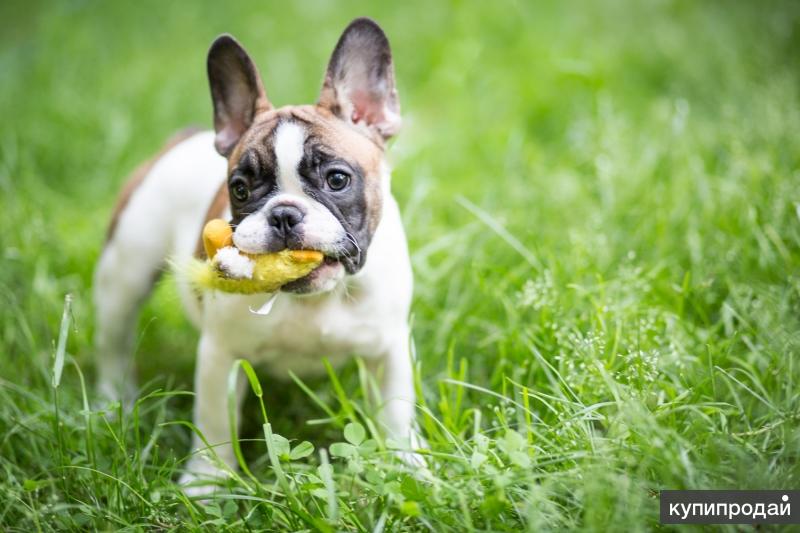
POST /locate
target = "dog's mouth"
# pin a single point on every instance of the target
(322, 278)
(348, 255)
(328, 261)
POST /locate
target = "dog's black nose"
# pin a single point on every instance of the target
(283, 219)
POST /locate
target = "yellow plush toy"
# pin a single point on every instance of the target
(230, 270)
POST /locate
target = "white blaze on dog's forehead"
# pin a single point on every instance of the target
(289, 139)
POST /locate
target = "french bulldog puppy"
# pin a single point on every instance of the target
(311, 177)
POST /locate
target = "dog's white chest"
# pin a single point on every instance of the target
(299, 333)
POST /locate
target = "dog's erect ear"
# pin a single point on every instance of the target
(359, 84)
(236, 91)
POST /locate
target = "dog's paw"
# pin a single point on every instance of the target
(410, 454)
(411, 458)
(110, 395)
(201, 479)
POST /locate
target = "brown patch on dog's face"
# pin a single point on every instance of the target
(361, 146)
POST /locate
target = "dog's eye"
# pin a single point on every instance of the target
(239, 191)
(337, 180)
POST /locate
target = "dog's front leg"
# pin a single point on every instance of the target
(397, 391)
(210, 417)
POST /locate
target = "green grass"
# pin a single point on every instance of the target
(602, 205)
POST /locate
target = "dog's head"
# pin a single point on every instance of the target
(308, 177)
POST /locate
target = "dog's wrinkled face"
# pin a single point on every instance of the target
(302, 180)
(308, 177)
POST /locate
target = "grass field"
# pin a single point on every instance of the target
(603, 207)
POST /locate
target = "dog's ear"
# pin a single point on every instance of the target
(359, 84)
(236, 91)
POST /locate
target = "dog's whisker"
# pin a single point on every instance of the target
(353, 240)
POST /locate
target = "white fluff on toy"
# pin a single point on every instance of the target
(234, 264)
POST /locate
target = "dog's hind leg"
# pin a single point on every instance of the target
(140, 237)
(123, 280)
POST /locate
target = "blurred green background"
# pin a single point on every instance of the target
(601, 200)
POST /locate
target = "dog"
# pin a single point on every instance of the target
(311, 177)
